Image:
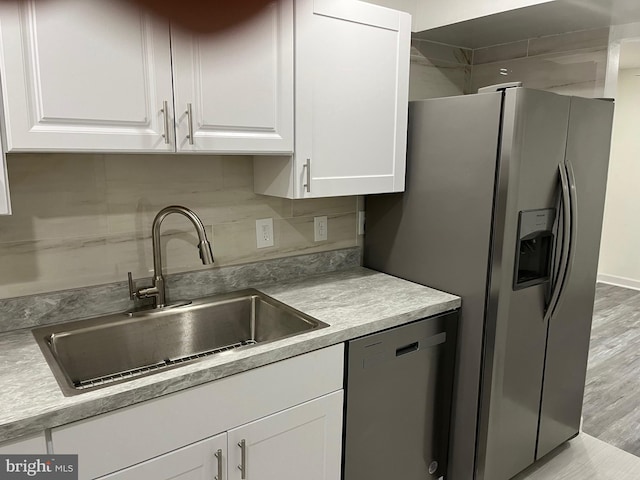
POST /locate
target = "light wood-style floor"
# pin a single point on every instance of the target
(584, 458)
(611, 409)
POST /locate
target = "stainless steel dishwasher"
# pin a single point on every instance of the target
(398, 401)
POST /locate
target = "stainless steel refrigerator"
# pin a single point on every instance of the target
(503, 206)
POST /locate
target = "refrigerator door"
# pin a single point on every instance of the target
(587, 156)
(534, 134)
(438, 233)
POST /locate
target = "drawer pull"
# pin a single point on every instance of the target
(189, 113)
(243, 459)
(165, 114)
(218, 455)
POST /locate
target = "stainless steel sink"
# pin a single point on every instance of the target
(88, 354)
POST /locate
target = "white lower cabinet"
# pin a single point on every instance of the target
(195, 462)
(304, 442)
(35, 445)
(289, 414)
(300, 442)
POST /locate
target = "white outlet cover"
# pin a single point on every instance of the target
(320, 227)
(264, 232)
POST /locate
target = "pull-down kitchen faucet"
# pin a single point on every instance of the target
(157, 289)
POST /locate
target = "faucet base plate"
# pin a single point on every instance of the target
(150, 310)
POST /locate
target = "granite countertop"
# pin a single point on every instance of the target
(353, 302)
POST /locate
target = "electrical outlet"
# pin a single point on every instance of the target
(264, 232)
(361, 222)
(320, 229)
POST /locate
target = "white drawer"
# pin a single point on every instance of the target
(30, 446)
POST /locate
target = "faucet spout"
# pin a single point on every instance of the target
(206, 252)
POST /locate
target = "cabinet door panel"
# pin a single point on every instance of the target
(84, 75)
(193, 462)
(239, 84)
(33, 445)
(352, 90)
(301, 442)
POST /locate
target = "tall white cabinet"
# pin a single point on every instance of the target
(352, 79)
(234, 91)
(84, 75)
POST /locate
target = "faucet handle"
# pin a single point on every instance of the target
(133, 294)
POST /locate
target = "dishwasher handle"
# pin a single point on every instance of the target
(377, 352)
(412, 347)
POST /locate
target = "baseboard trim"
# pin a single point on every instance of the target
(619, 281)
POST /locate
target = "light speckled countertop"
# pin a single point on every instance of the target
(354, 302)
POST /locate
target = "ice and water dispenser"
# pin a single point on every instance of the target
(534, 250)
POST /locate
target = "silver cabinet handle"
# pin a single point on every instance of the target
(307, 166)
(165, 113)
(189, 123)
(243, 459)
(218, 455)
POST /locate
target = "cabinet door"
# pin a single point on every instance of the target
(204, 460)
(238, 84)
(84, 75)
(352, 83)
(32, 446)
(304, 442)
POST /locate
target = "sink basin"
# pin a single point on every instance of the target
(88, 354)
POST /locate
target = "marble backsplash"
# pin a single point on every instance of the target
(571, 63)
(438, 70)
(85, 219)
(67, 305)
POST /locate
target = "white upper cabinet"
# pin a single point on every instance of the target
(352, 82)
(93, 75)
(237, 86)
(84, 75)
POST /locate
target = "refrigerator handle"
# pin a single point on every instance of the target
(566, 242)
(573, 225)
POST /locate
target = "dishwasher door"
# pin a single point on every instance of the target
(398, 401)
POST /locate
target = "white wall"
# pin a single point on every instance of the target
(620, 250)
(436, 13)
(428, 14)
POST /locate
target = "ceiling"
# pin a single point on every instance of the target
(550, 18)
